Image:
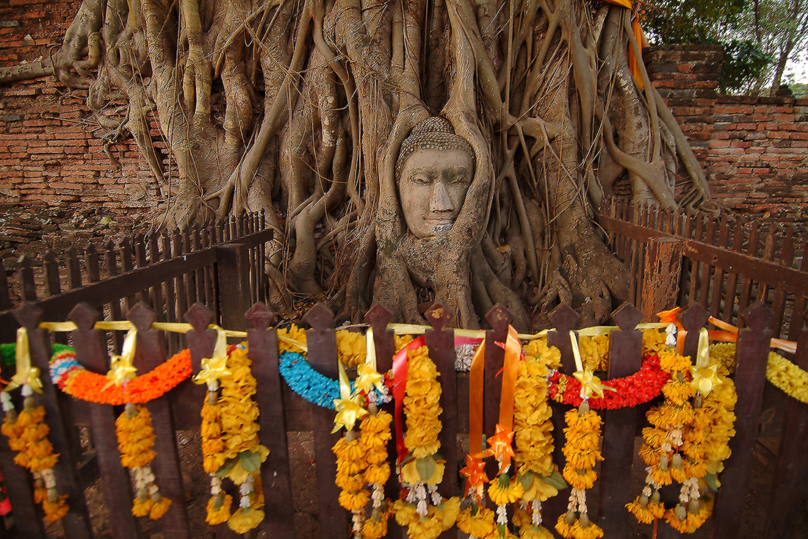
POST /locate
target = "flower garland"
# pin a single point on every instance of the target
(639, 388)
(8, 352)
(362, 461)
(422, 470)
(135, 441)
(351, 345)
(782, 373)
(27, 434)
(537, 473)
(27, 431)
(230, 444)
(582, 453)
(78, 382)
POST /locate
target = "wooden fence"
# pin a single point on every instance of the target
(168, 271)
(282, 411)
(678, 259)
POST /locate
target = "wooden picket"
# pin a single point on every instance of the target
(724, 266)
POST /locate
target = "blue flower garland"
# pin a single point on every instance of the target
(308, 383)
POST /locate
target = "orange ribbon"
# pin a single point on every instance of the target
(726, 332)
(632, 59)
(510, 368)
(474, 472)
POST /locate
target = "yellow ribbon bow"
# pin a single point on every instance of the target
(704, 379)
(121, 368)
(26, 374)
(348, 408)
(368, 376)
(214, 367)
(590, 384)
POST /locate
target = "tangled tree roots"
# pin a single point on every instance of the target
(299, 108)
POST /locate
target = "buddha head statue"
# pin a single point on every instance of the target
(433, 172)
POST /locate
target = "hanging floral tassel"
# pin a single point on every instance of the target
(582, 452)
(28, 434)
(135, 442)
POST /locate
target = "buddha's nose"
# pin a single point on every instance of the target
(440, 201)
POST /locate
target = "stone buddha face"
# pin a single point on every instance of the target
(434, 171)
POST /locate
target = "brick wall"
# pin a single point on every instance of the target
(753, 150)
(51, 147)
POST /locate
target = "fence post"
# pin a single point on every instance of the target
(565, 319)
(275, 474)
(660, 283)
(322, 344)
(233, 264)
(625, 359)
(91, 352)
(440, 342)
(499, 317)
(751, 358)
(384, 339)
(791, 474)
(77, 521)
(149, 354)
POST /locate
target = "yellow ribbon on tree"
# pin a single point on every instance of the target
(26, 374)
(121, 367)
(214, 367)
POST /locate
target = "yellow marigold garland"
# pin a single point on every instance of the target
(351, 345)
(536, 471)
(422, 471)
(582, 453)
(28, 435)
(231, 436)
(135, 441)
(594, 352)
(376, 432)
(782, 373)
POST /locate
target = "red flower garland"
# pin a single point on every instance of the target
(633, 390)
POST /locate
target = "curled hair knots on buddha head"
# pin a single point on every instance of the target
(433, 133)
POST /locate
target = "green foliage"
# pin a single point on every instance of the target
(691, 22)
(743, 62)
(800, 90)
(687, 22)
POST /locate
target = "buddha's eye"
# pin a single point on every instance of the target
(420, 179)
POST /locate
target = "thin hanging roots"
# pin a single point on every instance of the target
(299, 108)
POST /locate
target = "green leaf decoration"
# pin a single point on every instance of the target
(226, 467)
(250, 461)
(555, 480)
(425, 467)
(504, 480)
(526, 479)
(712, 482)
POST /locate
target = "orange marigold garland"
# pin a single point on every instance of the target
(664, 441)
(82, 384)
